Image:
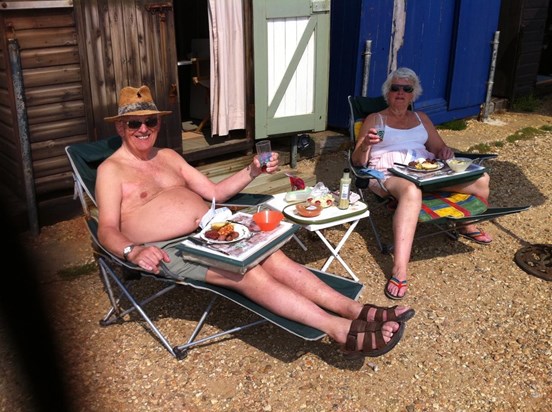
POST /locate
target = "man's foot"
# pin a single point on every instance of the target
(372, 338)
(396, 288)
(396, 313)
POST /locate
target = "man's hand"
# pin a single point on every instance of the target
(271, 167)
(148, 257)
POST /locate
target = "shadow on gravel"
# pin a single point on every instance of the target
(509, 187)
(186, 304)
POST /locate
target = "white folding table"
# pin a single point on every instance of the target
(329, 218)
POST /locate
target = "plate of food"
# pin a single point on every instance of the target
(425, 165)
(224, 232)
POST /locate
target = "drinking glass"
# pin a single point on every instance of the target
(379, 125)
(264, 151)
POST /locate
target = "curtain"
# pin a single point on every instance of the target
(227, 93)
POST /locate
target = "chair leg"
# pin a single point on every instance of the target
(202, 124)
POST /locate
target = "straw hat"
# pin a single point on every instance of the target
(135, 102)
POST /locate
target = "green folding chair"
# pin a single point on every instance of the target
(121, 280)
(443, 211)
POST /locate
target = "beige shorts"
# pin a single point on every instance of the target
(179, 268)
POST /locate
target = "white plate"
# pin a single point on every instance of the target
(440, 165)
(243, 232)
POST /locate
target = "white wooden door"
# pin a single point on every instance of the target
(291, 58)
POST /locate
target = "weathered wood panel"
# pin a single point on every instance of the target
(55, 93)
(53, 130)
(50, 57)
(56, 147)
(3, 80)
(50, 165)
(48, 186)
(5, 112)
(46, 76)
(11, 173)
(74, 61)
(55, 112)
(131, 46)
(45, 19)
(28, 39)
(522, 26)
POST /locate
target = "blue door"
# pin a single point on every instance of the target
(447, 42)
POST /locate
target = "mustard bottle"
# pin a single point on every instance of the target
(344, 188)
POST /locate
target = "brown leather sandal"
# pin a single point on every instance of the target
(378, 317)
(371, 330)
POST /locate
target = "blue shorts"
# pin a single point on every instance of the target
(179, 268)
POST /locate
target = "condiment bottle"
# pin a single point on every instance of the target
(344, 188)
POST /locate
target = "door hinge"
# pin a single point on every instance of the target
(159, 8)
(320, 6)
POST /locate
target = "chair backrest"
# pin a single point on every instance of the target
(85, 159)
(201, 70)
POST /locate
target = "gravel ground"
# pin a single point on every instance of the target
(481, 339)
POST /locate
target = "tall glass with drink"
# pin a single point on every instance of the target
(264, 151)
(379, 125)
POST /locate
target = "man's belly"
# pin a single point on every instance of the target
(170, 214)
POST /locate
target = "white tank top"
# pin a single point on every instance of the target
(401, 139)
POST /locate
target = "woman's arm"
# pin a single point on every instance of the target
(366, 138)
(435, 144)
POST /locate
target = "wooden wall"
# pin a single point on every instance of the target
(75, 56)
(130, 43)
(522, 28)
(53, 95)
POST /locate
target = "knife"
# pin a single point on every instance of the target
(207, 245)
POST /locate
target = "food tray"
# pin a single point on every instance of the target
(329, 214)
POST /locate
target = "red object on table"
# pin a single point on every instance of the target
(296, 182)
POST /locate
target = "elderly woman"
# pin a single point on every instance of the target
(408, 135)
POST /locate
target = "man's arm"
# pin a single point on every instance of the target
(108, 198)
(230, 186)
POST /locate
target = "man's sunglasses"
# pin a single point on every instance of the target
(405, 88)
(136, 124)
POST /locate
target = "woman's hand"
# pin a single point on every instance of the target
(445, 153)
(369, 139)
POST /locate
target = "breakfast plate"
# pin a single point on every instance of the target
(242, 230)
(439, 165)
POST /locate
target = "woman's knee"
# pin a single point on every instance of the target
(482, 185)
(403, 189)
(409, 193)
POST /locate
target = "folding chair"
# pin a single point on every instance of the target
(120, 279)
(463, 209)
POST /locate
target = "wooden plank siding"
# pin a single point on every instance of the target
(128, 46)
(75, 57)
(54, 98)
(10, 151)
(522, 26)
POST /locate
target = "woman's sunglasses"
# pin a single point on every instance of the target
(136, 124)
(405, 88)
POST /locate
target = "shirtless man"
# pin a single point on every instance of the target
(147, 194)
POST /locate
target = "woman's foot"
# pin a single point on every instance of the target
(473, 233)
(375, 313)
(396, 287)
